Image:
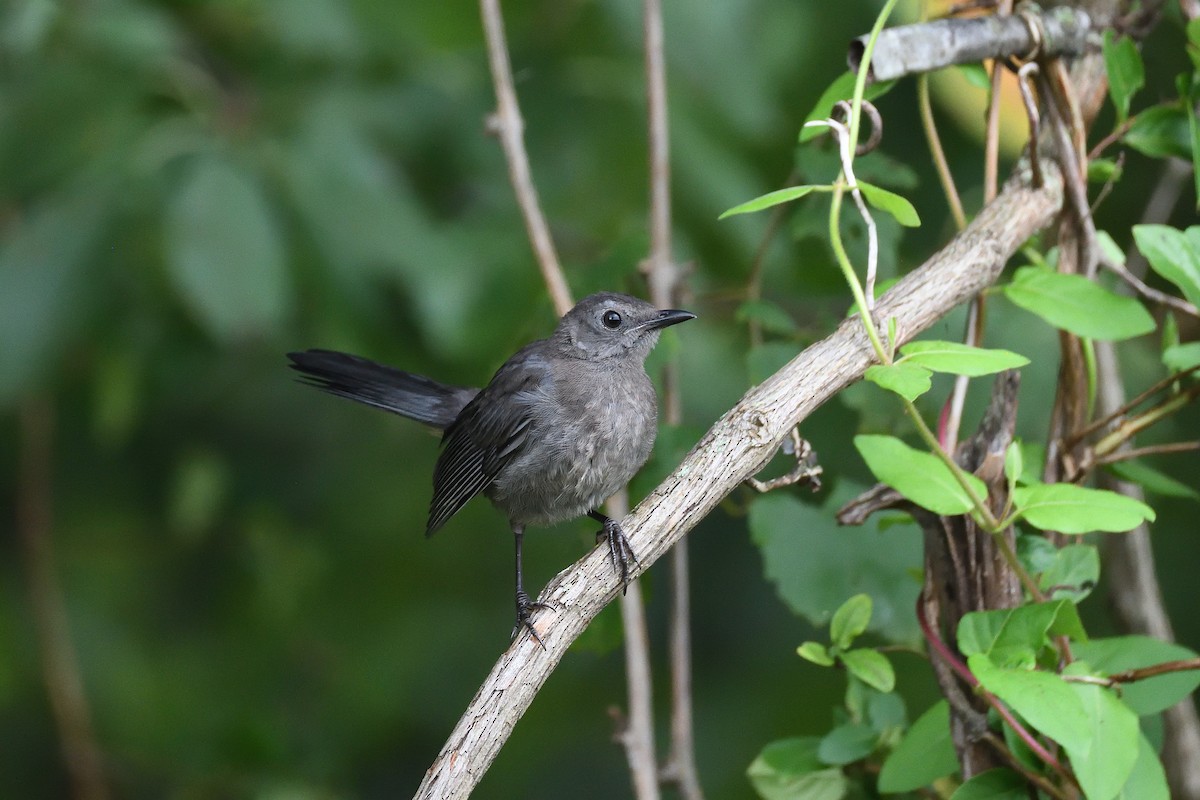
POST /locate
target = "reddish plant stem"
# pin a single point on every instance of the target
(960, 669)
(60, 663)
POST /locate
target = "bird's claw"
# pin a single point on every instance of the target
(619, 550)
(525, 607)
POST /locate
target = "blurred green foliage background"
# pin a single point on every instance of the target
(190, 189)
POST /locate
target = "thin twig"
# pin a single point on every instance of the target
(1131, 427)
(1154, 670)
(1041, 781)
(1061, 82)
(636, 736)
(952, 422)
(509, 126)
(1175, 175)
(804, 470)
(939, 154)
(1075, 180)
(1125, 407)
(663, 276)
(1149, 292)
(970, 5)
(754, 282)
(82, 757)
(991, 142)
(948, 431)
(1149, 450)
(1109, 183)
(1035, 119)
(1111, 138)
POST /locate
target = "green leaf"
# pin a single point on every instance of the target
(45, 281)
(1103, 170)
(1111, 250)
(846, 744)
(1192, 97)
(200, 488)
(789, 769)
(1044, 699)
(886, 712)
(1036, 552)
(770, 316)
(976, 75)
(1073, 573)
(224, 251)
(919, 476)
(960, 359)
(1126, 75)
(1170, 331)
(850, 620)
(1012, 637)
(1147, 781)
(1067, 508)
(871, 667)
(892, 203)
(1075, 304)
(995, 784)
(1180, 357)
(1120, 653)
(813, 562)
(1014, 463)
(925, 754)
(1034, 456)
(1104, 765)
(842, 88)
(815, 652)
(907, 380)
(1151, 479)
(1172, 256)
(770, 199)
(1161, 132)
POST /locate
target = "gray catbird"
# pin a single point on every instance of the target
(563, 425)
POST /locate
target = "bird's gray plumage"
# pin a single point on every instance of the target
(560, 427)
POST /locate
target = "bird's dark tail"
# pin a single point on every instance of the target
(412, 396)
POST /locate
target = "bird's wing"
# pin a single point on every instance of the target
(490, 431)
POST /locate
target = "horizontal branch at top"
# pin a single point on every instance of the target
(928, 46)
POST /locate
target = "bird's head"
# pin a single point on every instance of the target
(609, 325)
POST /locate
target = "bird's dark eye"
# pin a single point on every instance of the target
(611, 319)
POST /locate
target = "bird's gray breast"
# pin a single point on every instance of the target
(592, 429)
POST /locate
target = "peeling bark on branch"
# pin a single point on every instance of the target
(736, 447)
(927, 46)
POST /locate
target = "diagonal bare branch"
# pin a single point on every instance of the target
(736, 447)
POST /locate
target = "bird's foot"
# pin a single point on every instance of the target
(525, 609)
(619, 550)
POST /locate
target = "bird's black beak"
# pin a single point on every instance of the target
(667, 318)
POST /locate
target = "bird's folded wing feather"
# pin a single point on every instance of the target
(488, 434)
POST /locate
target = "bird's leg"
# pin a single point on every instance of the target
(524, 604)
(619, 549)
